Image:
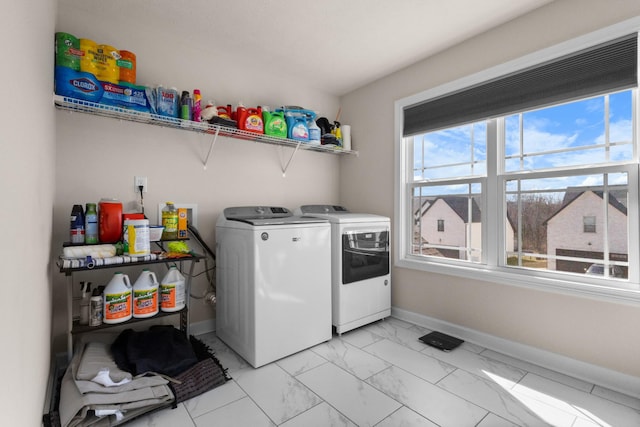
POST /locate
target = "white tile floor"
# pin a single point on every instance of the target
(381, 375)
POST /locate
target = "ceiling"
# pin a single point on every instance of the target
(343, 44)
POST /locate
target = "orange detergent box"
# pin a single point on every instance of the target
(182, 223)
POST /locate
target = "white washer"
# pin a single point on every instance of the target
(361, 277)
(273, 282)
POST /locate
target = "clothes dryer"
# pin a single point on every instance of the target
(360, 265)
(273, 282)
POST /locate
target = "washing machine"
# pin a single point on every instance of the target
(360, 265)
(273, 281)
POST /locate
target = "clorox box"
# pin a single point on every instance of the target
(85, 86)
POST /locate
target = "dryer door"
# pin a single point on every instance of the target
(365, 254)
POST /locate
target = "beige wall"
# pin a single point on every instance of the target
(98, 157)
(27, 148)
(558, 323)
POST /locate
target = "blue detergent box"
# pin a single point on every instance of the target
(86, 87)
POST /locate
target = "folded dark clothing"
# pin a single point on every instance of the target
(162, 349)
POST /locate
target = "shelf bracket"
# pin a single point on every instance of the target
(213, 142)
(284, 169)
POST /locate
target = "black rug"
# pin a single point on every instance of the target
(205, 375)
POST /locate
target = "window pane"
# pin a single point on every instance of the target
(570, 134)
(548, 234)
(451, 153)
(447, 221)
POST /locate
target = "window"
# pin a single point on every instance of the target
(512, 178)
(589, 224)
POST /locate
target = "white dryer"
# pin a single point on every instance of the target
(273, 282)
(360, 265)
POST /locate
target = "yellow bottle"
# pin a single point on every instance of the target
(170, 222)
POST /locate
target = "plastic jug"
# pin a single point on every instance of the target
(314, 132)
(225, 111)
(117, 299)
(274, 123)
(109, 221)
(297, 128)
(172, 291)
(145, 295)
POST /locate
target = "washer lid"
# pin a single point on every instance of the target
(338, 214)
(266, 215)
(322, 209)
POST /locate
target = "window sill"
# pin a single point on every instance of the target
(623, 292)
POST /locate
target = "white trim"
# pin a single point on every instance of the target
(533, 279)
(613, 380)
(628, 292)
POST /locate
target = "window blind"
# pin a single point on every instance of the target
(603, 68)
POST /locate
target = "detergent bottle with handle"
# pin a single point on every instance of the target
(145, 295)
(172, 291)
(117, 299)
(297, 127)
(274, 123)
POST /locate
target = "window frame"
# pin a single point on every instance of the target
(493, 268)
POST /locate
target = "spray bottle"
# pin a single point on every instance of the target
(197, 105)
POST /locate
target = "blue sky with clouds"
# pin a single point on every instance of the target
(578, 124)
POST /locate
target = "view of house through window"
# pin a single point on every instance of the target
(563, 176)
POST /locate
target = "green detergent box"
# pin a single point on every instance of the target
(85, 86)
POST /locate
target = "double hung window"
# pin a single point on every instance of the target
(535, 173)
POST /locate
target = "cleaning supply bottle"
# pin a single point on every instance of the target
(85, 287)
(225, 111)
(337, 132)
(76, 226)
(170, 222)
(95, 308)
(145, 295)
(167, 101)
(274, 123)
(172, 291)
(117, 299)
(240, 115)
(186, 106)
(314, 131)
(253, 120)
(197, 105)
(109, 221)
(297, 127)
(91, 224)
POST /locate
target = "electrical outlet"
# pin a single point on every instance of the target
(138, 181)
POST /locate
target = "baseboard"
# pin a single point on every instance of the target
(604, 377)
(203, 327)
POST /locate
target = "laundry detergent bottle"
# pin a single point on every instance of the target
(172, 291)
(117, 299)
(297, 128)
(145, 295)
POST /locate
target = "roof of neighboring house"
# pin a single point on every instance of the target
(460, 205)
(617, 198)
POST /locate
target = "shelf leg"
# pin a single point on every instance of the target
(69, 317)
(284, 169)
(213, 142)
(185, 315)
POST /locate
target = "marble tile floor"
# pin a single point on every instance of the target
(381, 375)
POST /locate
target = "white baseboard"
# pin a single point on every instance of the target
(203, 327)
(604, 377)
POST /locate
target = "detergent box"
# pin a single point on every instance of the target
(85, 86)
(182, 223)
